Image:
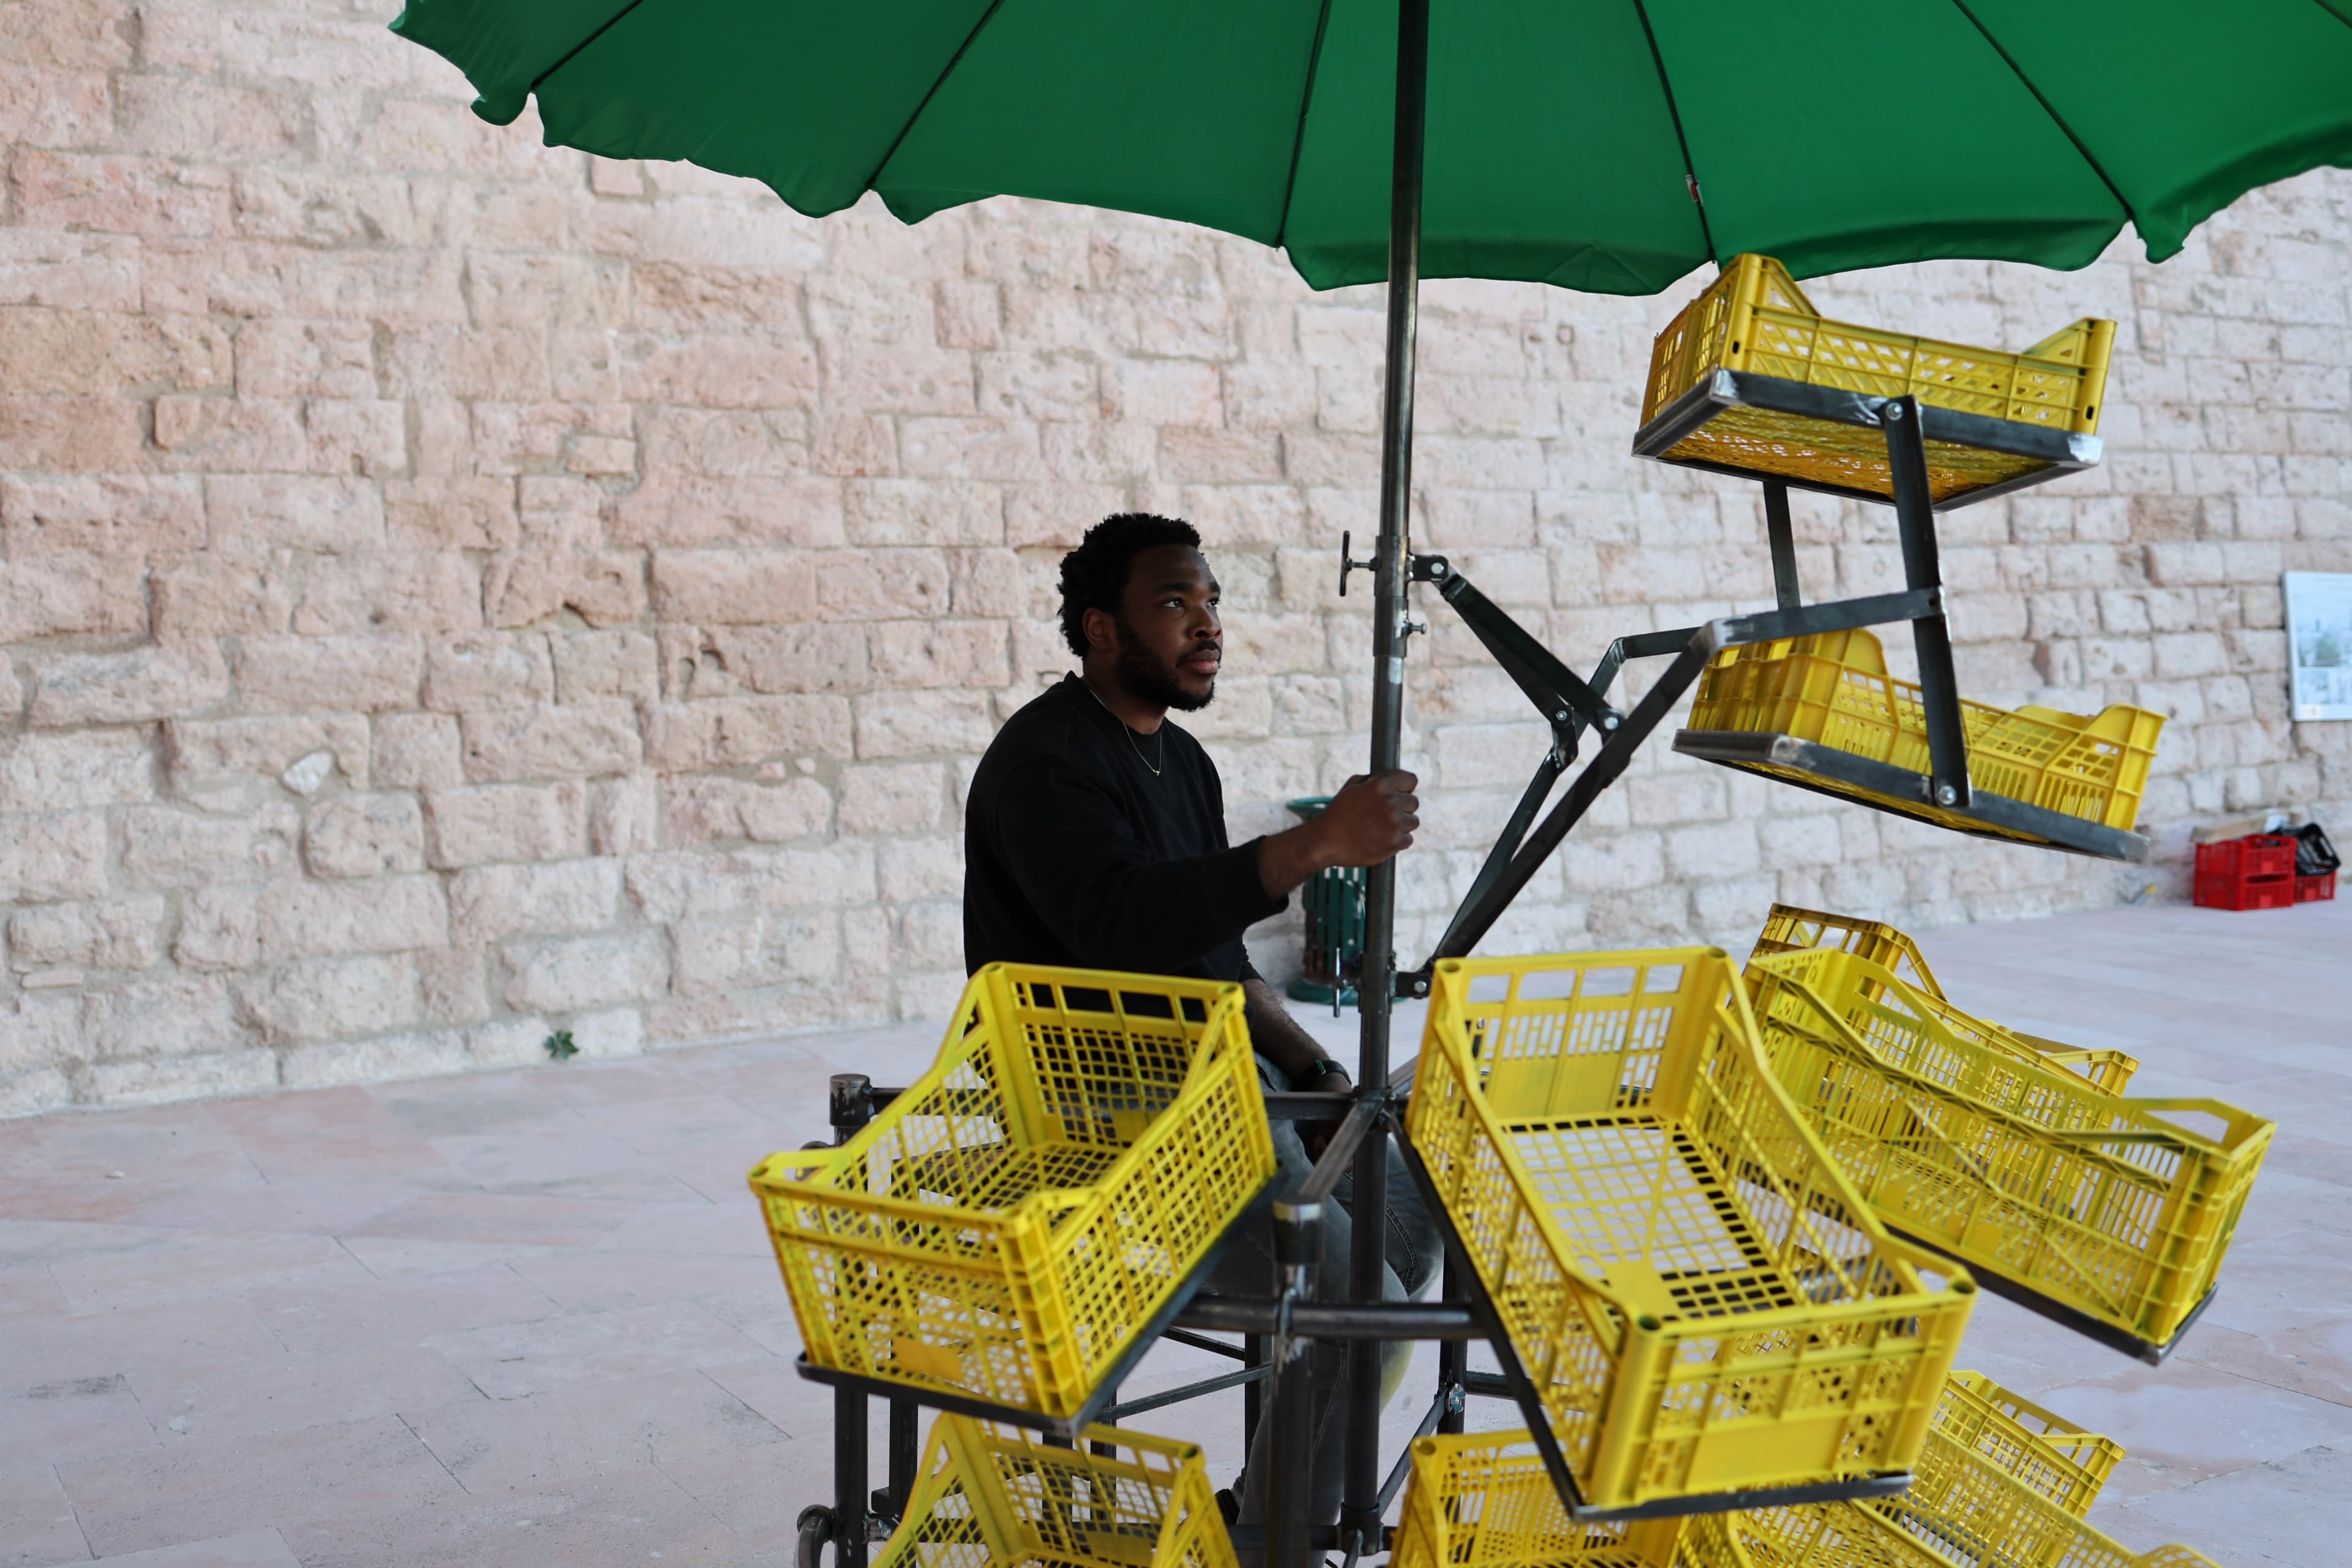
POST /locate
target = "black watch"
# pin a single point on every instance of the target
(1322, 1067)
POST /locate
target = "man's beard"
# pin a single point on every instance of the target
(1148, 682)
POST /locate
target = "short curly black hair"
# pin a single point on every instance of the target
(1094, 575)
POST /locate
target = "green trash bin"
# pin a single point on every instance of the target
(1334, 901)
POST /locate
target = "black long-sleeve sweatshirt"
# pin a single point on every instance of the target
(1076, 853)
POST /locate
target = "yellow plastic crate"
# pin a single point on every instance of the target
(2104, 1205)
(1007, 1226)
(2064, 1462)
(1484, 1500)
(988, 1495)
(1754, 318)
(1833, 688)
(1702, 1301)
(1989, 1491)
(1789, 928)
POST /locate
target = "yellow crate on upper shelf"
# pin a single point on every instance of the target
(1484, 1500)
(2109, 1207)
(1006, 1228)
(1702, 1301)
(1989, 1491)
(1789, 928)
(988, 1496)
(1754, 319)
(1833, 688)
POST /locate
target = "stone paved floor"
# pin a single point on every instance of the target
(531, 1318)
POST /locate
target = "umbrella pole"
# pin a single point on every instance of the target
(1360, 1517)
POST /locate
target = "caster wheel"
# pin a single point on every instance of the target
(816, 1528)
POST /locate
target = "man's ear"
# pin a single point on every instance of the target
(1101, 631)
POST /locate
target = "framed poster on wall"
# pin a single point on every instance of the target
(2319, 644)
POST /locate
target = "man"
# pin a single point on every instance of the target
(1094, 836)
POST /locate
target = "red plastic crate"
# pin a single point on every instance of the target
(2256, 872)
(2311, 890)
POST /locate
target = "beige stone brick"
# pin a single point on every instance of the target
(202, 751)
(331, 999)
(417, 751)
(491, 669)
(74, 770)
(624, 815)
(720, 661)
(165, 847)
(451, 512)
(365, 835)
(159, 1082)
(453, 984)
(722, 587)
(369, 674)
(548, 741)
(121, 933)
(337, 515)
(892, 798)
(491, 903)
(478, 824)
(741, 732)
(387, 1058)
(38, 1032)
(163, 1015)
(921, 723)
(697, 810)
(576, 974)
(914, 654)
(57, 595)
(908, 868)
(49, 857)
(393, 591)
(144, 683)
(214, 594)
(684, 511)
(384, 914)
(220, 928)
(623, 665)
(131, 514)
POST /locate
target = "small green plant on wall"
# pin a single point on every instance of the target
(559, 1045)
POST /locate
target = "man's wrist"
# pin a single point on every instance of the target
(1318, 1072)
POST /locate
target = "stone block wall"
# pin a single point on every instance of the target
(456, 590)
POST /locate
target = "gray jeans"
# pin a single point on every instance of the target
(1412, 1252)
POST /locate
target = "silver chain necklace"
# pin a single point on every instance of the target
(1129, 733)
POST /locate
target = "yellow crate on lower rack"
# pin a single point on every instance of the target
(2064, 1462)
(1702, 1301)
(1484, 1500)
(1989, 1490)
(2108, 1206)
(1006, 1228)
(1833, 688)
(1788, 930)
(1754, 319)
(988, 1496)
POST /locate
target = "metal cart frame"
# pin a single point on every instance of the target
(1275, 1332)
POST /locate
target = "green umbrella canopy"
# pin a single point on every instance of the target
(1567, 138)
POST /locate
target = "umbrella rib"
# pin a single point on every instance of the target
(603, 27)
(1298, 138)
(2334, 10)
(945, 71)
(2055, 118)
(1674, 111)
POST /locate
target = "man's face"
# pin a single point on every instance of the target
(1168, 641)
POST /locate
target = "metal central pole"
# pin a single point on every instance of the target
(1376, 990)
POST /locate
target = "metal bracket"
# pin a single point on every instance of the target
(1347, 563)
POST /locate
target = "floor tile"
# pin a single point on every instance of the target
(28, 1290)
(2183, 1423)
(637, 1517)
(509, 1361)
(196, 1266)
(401, 1311)
(255, 1548)
(71, 1418)
(568, 1436)
(201, 1491)
(2288, 1511)
(257, 1396)
(604, 1278)
(37, 1526)
(543, 1221)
